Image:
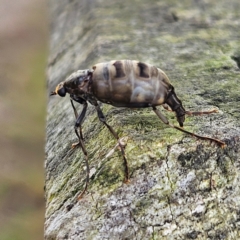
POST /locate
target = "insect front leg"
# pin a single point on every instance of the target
(103, 120)
(80, 118)
(80, 143)
(164, 119)
(74, 109)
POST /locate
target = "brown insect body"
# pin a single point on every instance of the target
(129, 83)
(124, 83)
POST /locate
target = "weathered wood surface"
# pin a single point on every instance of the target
(181, 188)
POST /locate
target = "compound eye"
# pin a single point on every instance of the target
(61, 92)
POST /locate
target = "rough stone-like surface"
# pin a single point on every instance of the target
(181, 188)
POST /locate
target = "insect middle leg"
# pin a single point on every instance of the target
(103, 120)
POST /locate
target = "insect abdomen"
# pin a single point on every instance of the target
(129, 83)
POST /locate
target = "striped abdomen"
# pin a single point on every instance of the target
(129, 83)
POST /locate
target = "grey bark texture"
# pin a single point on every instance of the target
(181, 187)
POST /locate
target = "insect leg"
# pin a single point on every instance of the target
(164, 119)
(201, 113)
(77, 126)
(79, 120)
(74, 109)
(165, 106)
(103, 120)
(76, 115)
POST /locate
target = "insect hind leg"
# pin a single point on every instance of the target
(201, 112)
(164, 119)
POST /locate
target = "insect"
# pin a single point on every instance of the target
(123, 83)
